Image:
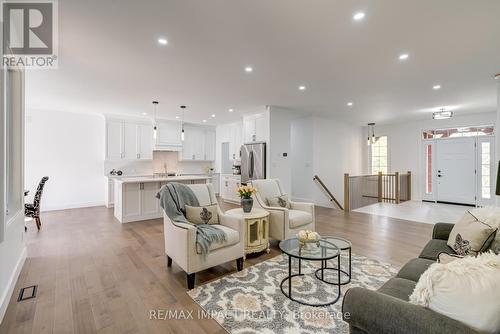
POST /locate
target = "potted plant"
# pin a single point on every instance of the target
(245, 193)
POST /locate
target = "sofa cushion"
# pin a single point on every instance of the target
(202, 214)
(268, 188)
(203, 193)
(398, 288)
(433, 248)
(491, 216)
(471, 235)
(279, 201)
(232, 238)
(414, 269)
(298, 218)
(467, 290)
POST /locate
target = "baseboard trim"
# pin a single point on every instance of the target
(4, 302)
(74, 206)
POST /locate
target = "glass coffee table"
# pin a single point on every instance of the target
(322, 251)
(343, 245)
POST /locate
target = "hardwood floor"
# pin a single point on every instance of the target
(95, 275)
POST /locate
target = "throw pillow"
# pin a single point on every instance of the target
(491, 216)
(202, 214)
(467, 290)
(280, 201)
(445, 258)
(470, 236)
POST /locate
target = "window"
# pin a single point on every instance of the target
(379, 158)
(472, 131)
(428, 169)
(485, 170)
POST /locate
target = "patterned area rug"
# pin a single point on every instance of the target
(251, 301)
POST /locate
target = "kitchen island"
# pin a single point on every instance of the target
(135, 197)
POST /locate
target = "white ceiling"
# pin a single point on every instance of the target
(110, 61)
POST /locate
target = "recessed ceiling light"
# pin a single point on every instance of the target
(248, 69)
(144, 113)
(359, 16)
(403, 56)
(162, 41)
(436, 87)
(204, 121)
(231, 110)
(349, 104)
(302, 87)
(177, 117)
(213, 115)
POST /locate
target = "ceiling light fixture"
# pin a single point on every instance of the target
(213, 115)
(442, 114)
(204, 121)
(144, 113)
(403, 56)
(436, 87)
(248, 69)
(177, 117)
(155, 105)
(349, 104)
(359, 16)
(182, 124)
(231, 110)
(302, 87)
(162, 41)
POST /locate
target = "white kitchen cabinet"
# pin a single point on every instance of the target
(150, 205)
(228, 188)
(114, 140)
(136, 201)
(168, 135)
(235, 141)
(130, 139)
(145, 142)
(131, 200)
(198, 145)
(254, 128)
(127, 140)
(210, 145)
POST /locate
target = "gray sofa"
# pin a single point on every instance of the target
(388, 310)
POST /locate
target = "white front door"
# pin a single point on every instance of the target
(456, 170)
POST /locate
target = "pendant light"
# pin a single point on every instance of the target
(371, 134)
(182, 124)
(155, 128)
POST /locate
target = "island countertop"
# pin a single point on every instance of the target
(144, 179)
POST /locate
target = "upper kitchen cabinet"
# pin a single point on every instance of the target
(126, 140)
(168, 136)
(254, 128)
(235, 140)
(198, 144)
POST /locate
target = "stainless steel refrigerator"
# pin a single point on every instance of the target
(253, 162)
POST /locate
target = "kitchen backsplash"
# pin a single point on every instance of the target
(174, 165)
(157, 165)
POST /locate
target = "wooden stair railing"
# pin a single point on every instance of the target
(330, 195)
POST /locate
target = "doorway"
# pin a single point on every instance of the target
(459, 170)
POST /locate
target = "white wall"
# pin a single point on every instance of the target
(327, 148)
(280, 125)
(69, 148)
(404, 143)
(337, 150)
(302, 158)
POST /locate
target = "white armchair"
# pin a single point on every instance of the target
(283, 223)
(180, 240)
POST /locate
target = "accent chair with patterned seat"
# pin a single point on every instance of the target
(33, 210)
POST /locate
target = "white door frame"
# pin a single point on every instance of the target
(433, 195)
